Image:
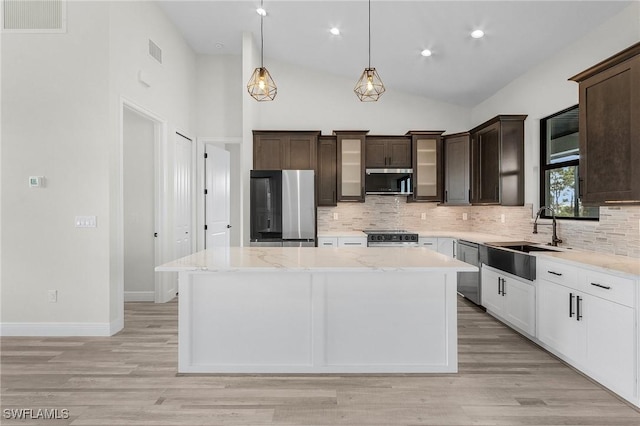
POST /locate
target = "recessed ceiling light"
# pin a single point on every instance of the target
(477, 34)
(261, 11)
(334, 31)
(426, 52)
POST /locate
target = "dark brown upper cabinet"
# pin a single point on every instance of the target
(609, 122)
(350, 170)
(497, 161)
(457, 178)
(427, 165)
(387, 151)
(327, 177)
(284, 150)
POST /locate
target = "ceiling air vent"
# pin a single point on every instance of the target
(34, 16)
(155, 51)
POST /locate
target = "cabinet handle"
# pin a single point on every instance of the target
(606, 287)
(453, 249)
(570, 305)
(555, 273)
(578, 305)
(352, 244)
(504, 293)
(499, 291)
(580, 180)
(446, 196)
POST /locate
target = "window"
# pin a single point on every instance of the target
(560, 165)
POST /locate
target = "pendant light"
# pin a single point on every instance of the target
(369, 87)
(261, 86)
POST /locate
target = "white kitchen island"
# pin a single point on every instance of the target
(310, 310)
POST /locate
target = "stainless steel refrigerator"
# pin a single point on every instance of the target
(283, 210)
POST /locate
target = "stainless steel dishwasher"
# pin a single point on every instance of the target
(469, 282)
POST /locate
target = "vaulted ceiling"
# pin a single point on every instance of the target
(461, 70)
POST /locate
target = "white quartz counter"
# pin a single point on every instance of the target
(316, 259)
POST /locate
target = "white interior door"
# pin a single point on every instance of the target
(217, 205)
(183, 202)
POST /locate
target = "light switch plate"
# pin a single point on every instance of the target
(464, 216)
(86, 222)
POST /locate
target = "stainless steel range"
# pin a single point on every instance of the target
(391, 238)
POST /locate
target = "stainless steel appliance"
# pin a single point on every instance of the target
(388, 181)
(513, 257)
(469, 282)
(283, 211)
(387, 238)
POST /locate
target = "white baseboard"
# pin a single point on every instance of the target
(139, 296)
(57, 329)
(116, 326)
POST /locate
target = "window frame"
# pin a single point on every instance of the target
(544, 167)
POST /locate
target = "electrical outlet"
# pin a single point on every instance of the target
(423, 216)
(502, 219)
(335, 216)
(53, 296)
(464, 216)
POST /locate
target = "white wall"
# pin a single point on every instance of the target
(545, 89)
(55, 123)
(171, 97)
(219, 96)
(61, 119)
(312, 100)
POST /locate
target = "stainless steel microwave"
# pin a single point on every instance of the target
(389, 181)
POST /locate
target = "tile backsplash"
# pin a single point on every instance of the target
(617, 231)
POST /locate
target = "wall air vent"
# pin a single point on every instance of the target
(155, 51)
(34, 16)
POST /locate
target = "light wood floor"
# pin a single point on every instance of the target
(130, 379)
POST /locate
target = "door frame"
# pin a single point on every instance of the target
(201, 179)
(161, 179)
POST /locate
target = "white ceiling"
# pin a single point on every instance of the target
(462, 70)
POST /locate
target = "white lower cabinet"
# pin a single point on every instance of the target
(327, 241)
(588, 327)
(509, 298)
(352, 241)
(443, 245)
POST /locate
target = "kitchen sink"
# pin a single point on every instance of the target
(523, 246)
(513, 257)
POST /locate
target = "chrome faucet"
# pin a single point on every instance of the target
(554, 237)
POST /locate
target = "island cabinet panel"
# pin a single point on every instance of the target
(351, 164)
(284, 150)
(609, 104)
(327, 174)
(497, 161)
(387, 151)
(427, 165)
(457, 180)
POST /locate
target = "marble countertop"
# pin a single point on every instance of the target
(317, 259)
(628, 266)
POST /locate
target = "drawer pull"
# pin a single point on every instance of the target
(606, 287)
(555, 273)
(352, 244)
(578, 305)
(570, 305)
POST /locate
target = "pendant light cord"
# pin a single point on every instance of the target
(369, 33)
(262, 36)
